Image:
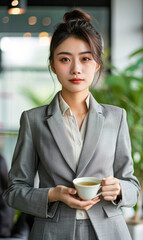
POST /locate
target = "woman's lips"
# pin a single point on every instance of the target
(76, 80)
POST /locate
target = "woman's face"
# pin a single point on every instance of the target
(74, 65)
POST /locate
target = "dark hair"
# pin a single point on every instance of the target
(78, 24)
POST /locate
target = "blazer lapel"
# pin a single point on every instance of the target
(56, 125)
(94, 129)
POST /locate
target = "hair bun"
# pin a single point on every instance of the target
(75, 15)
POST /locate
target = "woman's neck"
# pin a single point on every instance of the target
(76, 101)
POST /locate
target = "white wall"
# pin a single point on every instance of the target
(127, 35)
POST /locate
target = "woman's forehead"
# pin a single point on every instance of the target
(73, 44)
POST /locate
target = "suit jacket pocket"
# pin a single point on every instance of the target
(52, 209)
(112, 211)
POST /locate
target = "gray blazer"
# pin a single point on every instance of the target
(43, 145)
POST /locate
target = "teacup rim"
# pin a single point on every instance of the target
(97, 180)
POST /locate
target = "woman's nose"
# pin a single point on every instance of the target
(75, 68)
(76, 72)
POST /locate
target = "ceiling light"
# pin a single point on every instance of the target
(43, 35)
(44, 38)
(17, 7)
(5, 19)
(32, 20)
(46, 21)
(27, 34)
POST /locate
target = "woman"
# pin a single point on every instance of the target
(74, 136)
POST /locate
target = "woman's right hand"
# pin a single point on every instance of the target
(66, 195)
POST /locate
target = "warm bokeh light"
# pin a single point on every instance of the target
(14, 3)
(27, 34)
(46, 21)
(44, 38)
(43, 35)
(16, 11)
(32, 20)
(5, 19)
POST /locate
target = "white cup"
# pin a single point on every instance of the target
(87, 192)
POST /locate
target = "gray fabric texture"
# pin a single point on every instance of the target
(43, 145)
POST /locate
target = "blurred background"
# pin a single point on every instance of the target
(25, 81)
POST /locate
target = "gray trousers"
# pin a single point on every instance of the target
(56, 229)
(84, 230)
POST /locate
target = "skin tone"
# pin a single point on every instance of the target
(75, 68)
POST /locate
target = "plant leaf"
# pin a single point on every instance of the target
(140, 50)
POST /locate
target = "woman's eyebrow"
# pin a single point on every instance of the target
(68, 53)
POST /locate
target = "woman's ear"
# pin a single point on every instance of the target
(52, 67)
(97, 67)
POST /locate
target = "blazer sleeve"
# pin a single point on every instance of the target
(123, 166)
(21, 193)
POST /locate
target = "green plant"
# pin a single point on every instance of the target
(35, 99)
(125, 89)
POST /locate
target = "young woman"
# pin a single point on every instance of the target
(74, 136)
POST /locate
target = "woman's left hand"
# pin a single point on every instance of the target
(111, 188)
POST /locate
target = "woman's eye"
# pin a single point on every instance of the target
(85, 59)
(65, 60)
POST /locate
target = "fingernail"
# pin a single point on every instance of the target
(95, 198)
(73, 191)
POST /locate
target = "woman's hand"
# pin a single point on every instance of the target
(66, 195)
(111, 188)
